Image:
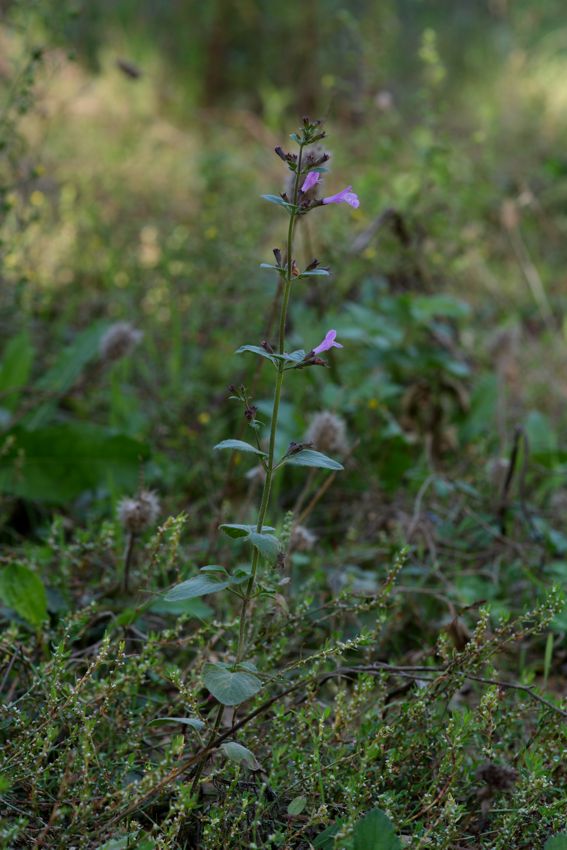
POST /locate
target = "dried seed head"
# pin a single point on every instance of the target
(327, 433)
(302, 540)
(498, 777)
(119, 340)
(140, 513)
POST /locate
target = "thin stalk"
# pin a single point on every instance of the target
(275, 412)
(208, 746)
(128, 561)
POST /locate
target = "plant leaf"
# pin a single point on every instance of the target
(375, 832)
(240, 446)
(267, 544)
(68, 366)
(296, 806)
(257, 349)
(15, 369)
(182, 608)
(230, 687)
(309, 457)
(23, 591)
(194, 722)
(239, 754)
(315, 273)
(276, 199)
(556, 842)
(207, 581)
(326, 839)
(295, 356)
(59, 462)
(233, 529)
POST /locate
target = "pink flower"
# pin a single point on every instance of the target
(311, 180)
(328, 342)
(347, 196)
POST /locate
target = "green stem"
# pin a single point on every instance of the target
(275, 413)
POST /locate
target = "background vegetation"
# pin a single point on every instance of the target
(413, 637)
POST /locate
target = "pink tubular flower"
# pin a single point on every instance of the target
(347, 196)
(311, 180)
(328, 342)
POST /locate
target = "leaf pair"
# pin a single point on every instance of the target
(267, 544)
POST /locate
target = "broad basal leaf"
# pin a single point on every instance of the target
(375, 832)
(59, 462)
(23, 591)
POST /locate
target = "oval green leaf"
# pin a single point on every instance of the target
(200, 585)
(239, 754)
(296, 806)
(230, 687)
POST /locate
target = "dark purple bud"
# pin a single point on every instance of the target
(278, 256)
(266, 346)
(294, 448)
(312, 265)
(250, 412)
(281, 153)
(232, 388)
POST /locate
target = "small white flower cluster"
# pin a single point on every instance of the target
(138, 514)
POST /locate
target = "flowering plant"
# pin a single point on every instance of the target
(232, 684)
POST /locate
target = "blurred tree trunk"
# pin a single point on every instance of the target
(215, 77)
(307, 55)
